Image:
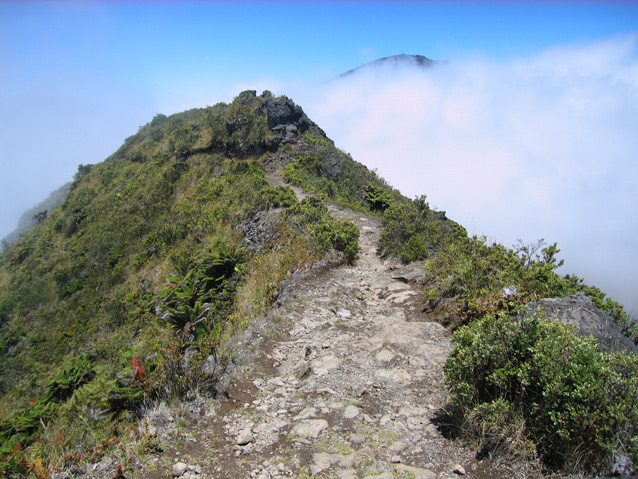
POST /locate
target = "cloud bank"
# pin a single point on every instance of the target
(529, 148)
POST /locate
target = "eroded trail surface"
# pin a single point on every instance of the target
(347, 385)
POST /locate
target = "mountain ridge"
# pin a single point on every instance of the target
(395, 61)
(149, 284)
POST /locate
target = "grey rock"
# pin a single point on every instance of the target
(417, 471)
(356, 438)
(283, 111)
(309, 428)
(408, 275)
(351, 411)
(458, 469)
(397, 446)
(579, 311)
(347, 474)
(307, 413)
(179, 468)
(245, 437)
(259, 230)
(322, 461)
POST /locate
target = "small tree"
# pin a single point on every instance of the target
(41, 216)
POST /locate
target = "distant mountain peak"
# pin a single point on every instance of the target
(395, 61)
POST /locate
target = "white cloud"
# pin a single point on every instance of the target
(545, 146)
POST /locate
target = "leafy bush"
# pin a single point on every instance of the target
(378, 198)
(516, 383)
(311, 215)
(469, 268)
(411, 230)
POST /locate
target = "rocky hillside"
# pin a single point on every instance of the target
(229, 291)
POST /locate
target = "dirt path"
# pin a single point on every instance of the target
(347, 387)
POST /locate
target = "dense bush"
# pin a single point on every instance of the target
(334, 174)
(311, 215)
(377, 198)
(530, 386)
(412, 230)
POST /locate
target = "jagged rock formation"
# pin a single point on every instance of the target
(283, 112)
(579, 311)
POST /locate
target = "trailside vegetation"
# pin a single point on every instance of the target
(519, 388)
(127, 293)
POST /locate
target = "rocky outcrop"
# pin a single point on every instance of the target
(283, 112)
(579, 311)
(259, 230)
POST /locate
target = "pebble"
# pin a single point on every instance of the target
(398, 446)
(245, 437)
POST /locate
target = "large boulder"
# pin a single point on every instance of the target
(283, 111)
(579, 311)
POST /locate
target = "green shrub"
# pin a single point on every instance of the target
(311, 216)
(412, 231)
(378, 198)
(532, 381)
(470, 268)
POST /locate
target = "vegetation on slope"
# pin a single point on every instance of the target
(520, 387)
(126, 293)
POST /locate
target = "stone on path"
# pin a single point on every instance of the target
(245, 437)
(384, 356)
(458, 469)
(307, 413)
(309, 428)
(322, 461)
(347, 474)
(417, 471)
(394, 374)
(351, 411)
(179, 468)
(385, 475)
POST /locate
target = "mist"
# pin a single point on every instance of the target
(538, 147)
(543, 146)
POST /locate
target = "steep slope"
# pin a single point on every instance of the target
(125, 308)
(37, 213)
(127, 292)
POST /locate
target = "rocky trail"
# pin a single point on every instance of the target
(345, 383)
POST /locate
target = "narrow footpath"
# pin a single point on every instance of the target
(346, 385)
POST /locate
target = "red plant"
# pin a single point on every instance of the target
(138, 369)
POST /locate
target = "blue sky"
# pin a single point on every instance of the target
(537, 98)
